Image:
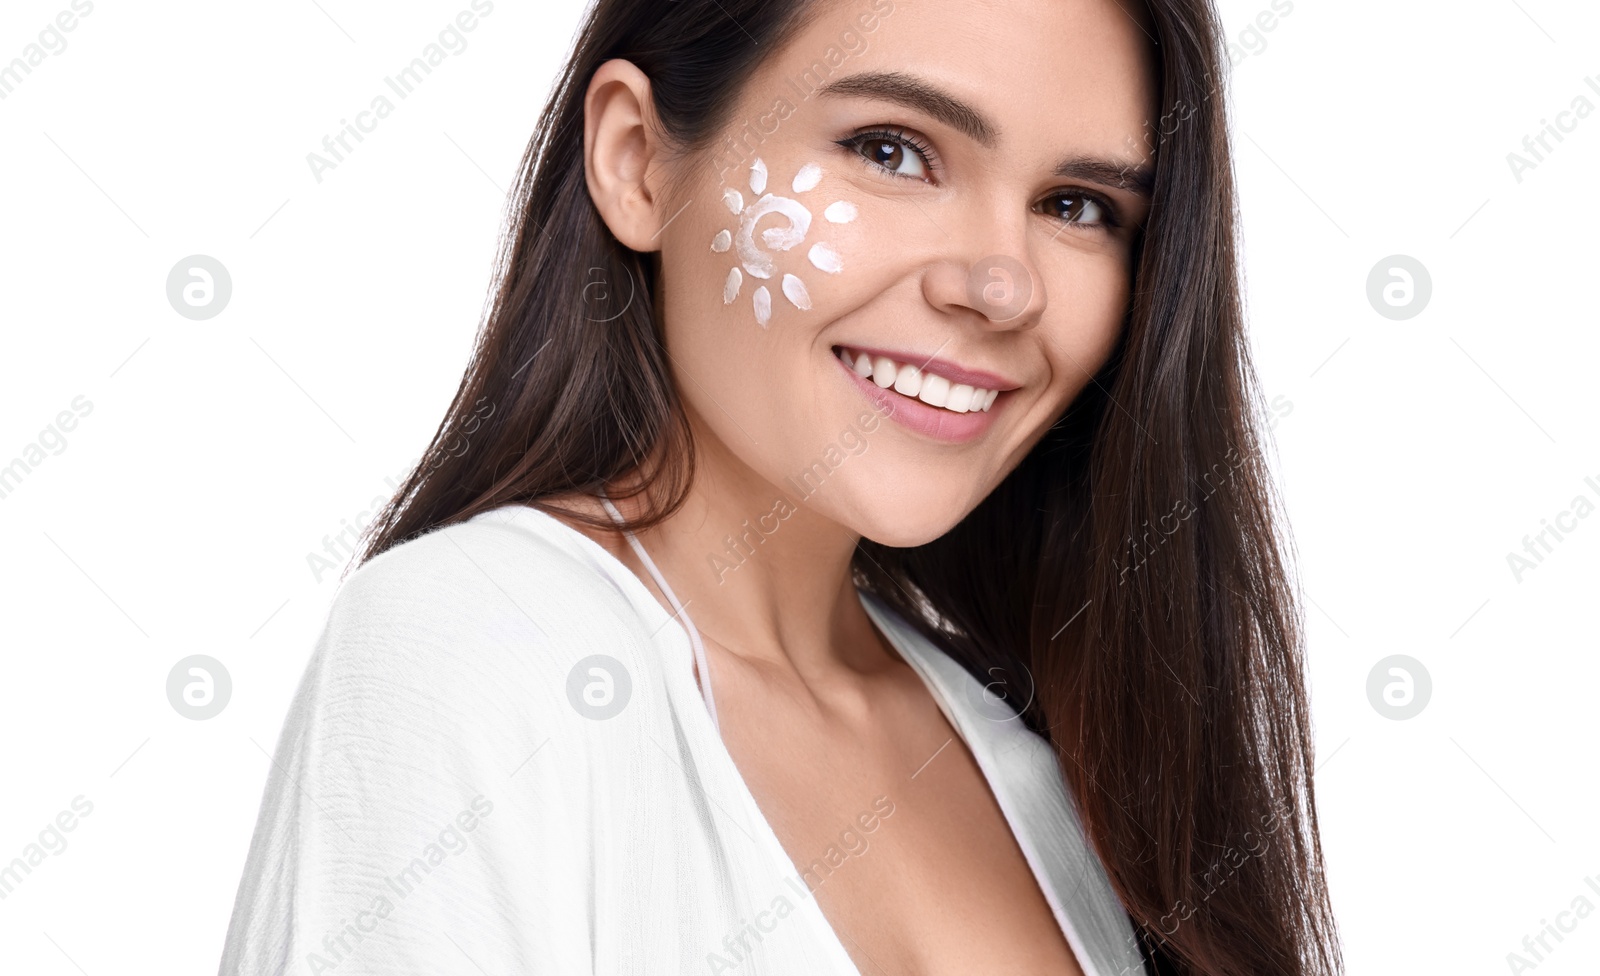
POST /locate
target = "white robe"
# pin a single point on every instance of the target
(451, 792)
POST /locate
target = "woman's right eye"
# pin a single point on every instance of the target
(896, 153)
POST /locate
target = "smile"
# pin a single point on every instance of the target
(922, 383)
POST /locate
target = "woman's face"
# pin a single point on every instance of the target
(944, 187)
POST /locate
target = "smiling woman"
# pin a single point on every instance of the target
(960, 245)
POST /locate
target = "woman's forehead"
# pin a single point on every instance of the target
(1002, 74)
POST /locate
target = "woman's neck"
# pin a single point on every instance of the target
(760, 574)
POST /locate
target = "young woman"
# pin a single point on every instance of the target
(849, 549)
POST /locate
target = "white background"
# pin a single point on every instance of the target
(1414, 457)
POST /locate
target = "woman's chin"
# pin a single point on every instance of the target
(905, 520)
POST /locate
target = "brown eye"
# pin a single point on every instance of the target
(1077, 209)
(898, 155)
(885, 153)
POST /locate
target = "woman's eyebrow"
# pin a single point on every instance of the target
(903, 89)
(1136, 177)
(912, 92)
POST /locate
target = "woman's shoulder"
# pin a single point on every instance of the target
(468, 646)
(502, 603)
(504, 554)
(509, 563)
(462, 673)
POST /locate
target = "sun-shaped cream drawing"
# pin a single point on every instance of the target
(759, 263)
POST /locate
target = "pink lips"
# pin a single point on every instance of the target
(935, 422)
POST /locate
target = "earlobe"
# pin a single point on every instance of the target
(621, 149)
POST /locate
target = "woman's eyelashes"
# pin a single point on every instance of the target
(1078, 203)
(888, 150)
(899, 154)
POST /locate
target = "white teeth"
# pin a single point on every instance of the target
(930, 388)
(884, 371)
(908, 380)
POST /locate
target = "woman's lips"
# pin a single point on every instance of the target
(943, 385)
(915, 415)
(955, 373)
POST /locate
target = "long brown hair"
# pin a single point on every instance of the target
(1129, 576)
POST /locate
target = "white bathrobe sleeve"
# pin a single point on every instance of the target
(425, 807)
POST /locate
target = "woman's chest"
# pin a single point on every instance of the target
(893, 829)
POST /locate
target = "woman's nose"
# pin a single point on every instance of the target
(990, 272)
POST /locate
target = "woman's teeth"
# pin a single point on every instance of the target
(930, 388)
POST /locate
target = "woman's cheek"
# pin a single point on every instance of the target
(1089, 310)
(777, 236)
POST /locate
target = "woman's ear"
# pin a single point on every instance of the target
(622, 153)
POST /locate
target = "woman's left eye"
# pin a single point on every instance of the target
(1080, 208)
